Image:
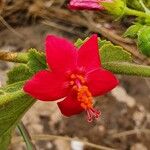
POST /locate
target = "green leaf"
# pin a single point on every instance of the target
(132, 31)
(13, 101)
(102, 43)
(111, 53)
(5, 140)
(137, 5)
(144, 40)
(18, 73)
(78, 43)
(13, 104)
(22, 72)
(134, 4)
(9, 88)
(36, 61)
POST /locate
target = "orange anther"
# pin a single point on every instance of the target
(71, 82)
(89, 105)
(79, 77)
(75, 88)
(83, 106)
(84, 96)
(73, 76)
(83, 81)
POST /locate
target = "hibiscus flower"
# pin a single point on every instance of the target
(76, 75)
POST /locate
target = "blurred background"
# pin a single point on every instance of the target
(125, 120)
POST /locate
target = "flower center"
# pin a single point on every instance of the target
(84, 96)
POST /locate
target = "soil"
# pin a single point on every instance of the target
(126, 108)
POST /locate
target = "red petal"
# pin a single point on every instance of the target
(70, 106)
(101, 81)
(61, 54)
(88, 55)
(86, 4)
(46, 86)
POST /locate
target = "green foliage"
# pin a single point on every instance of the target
(9, 88)
(5, 140)
(36, 61)
(13, 104)
(132, 31)
(78, 43)
(115, 7)
(117, 60)
(111, 53)
(22, 72)
(18, 73)
(102, 43)
(144, 40)
(13, 101)
(135, 4)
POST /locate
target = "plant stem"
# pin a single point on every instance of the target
(25, 136)
(14, 57)
(127, 69)
(137, 13)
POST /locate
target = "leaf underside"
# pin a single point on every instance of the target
(13, 101)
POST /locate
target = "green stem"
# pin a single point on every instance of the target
(14, 57)
(25, 136)
(137, 13)
(128, 69)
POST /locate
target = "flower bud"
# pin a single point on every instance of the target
(115, 7)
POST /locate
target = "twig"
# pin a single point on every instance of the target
(131, 132)
(96, 27)
(104, 30)
(10, 28)
(66, 29)
(148, 83)
(43, 137)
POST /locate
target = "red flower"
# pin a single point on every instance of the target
(87, 4)
(75, 74)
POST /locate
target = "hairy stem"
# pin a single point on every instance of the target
(137, 13)
(14, 57)
(128, 69)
